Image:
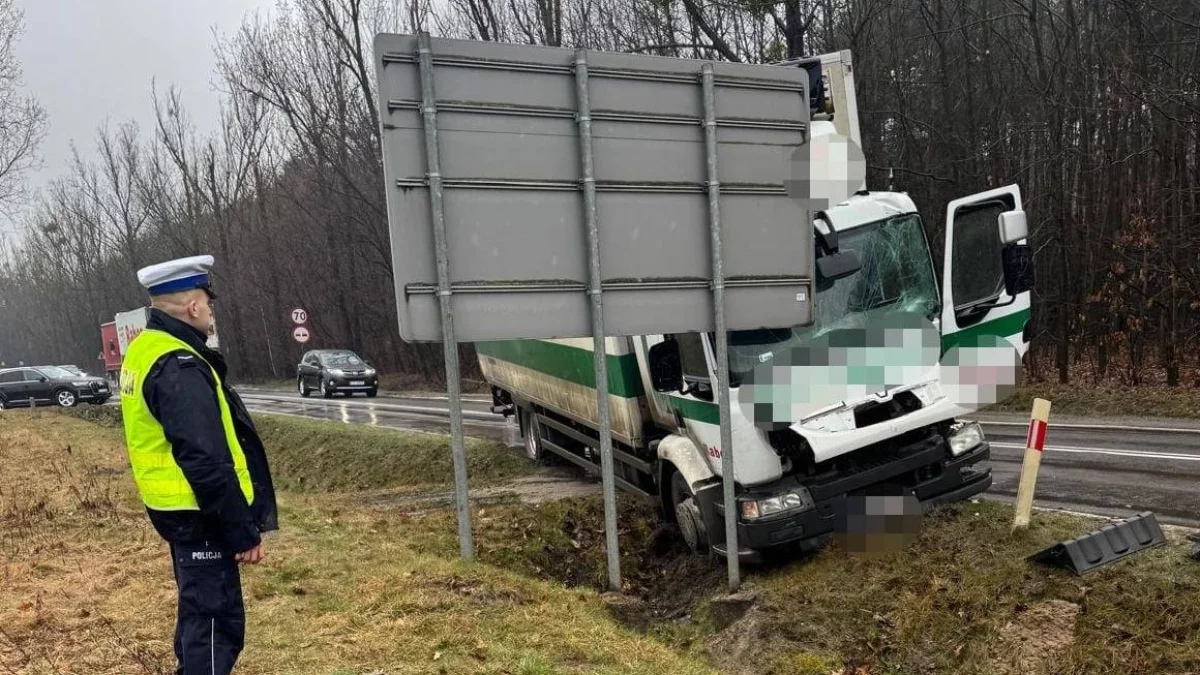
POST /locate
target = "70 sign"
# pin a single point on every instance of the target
(300, 331)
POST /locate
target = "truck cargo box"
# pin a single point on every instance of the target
(560, 375)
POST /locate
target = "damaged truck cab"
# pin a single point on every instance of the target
(793, 482)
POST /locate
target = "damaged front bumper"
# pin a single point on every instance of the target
(925, 470)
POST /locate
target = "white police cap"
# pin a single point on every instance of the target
(175, 276)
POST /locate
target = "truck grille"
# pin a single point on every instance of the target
(874, 412)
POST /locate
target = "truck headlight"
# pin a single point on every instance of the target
(965, 438)
(797, 500)
(369, 372)
(336, 372)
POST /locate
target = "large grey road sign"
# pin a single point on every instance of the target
(513, 191)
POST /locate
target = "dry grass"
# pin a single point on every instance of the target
(963, 599)
(357, 585)
(1108, 400)
(321, 456)
(318, 456)
(86, 585)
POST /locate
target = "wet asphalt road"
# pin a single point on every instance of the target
(411, 413)
(1088, 466)
(1110, 470)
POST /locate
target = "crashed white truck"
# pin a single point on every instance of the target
(872, 257)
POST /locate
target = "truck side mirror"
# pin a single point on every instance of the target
(1018, 268)
(838, 265)
(666, 368)
(1013, 227)
(834, 266)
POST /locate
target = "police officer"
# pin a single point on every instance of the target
(197, 461)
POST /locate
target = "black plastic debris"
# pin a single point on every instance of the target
(1104, 546)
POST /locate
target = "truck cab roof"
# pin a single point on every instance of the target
(868, 207)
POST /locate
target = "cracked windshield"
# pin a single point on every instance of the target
(896, 276)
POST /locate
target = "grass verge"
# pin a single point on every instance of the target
(87, 584)
(1108, 401)
(961, 599)
(310, 455)
(358, 585)
(319, 456)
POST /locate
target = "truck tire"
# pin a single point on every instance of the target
(687, 515)
(532, 433)
(302, 387)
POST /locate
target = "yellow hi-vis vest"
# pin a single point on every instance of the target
(158, 477)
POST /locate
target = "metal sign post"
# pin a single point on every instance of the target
(449, 346)
(583, 116)
(722, 346)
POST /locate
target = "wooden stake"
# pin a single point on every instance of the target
(1035, 440)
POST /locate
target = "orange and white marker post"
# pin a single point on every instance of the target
(1035, 440)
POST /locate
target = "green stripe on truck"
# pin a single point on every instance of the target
(576, 365)
(1005, 326)
(697, 411)
(568, 363)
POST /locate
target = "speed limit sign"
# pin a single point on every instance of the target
(300, 334)
(299, 316)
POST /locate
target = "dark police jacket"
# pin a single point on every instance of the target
(181, 394)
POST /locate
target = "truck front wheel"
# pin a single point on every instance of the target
(687, 515)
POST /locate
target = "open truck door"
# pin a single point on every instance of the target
(987, 270)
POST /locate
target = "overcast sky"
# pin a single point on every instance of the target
(92, 60)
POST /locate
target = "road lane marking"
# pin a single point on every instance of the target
(1095, 427)
(1113, 452)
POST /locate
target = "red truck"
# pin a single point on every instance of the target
(116, 335)
(110, 351)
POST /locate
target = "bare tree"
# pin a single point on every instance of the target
(22, 119)
(1093, 108)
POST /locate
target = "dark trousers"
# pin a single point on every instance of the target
(210, 627)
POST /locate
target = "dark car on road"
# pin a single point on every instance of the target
(50, 385)
(335, 371)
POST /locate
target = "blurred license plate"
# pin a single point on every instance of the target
(357, 383)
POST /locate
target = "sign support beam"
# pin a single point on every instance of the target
(466, 543)
(600, 353)
(722, 346)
